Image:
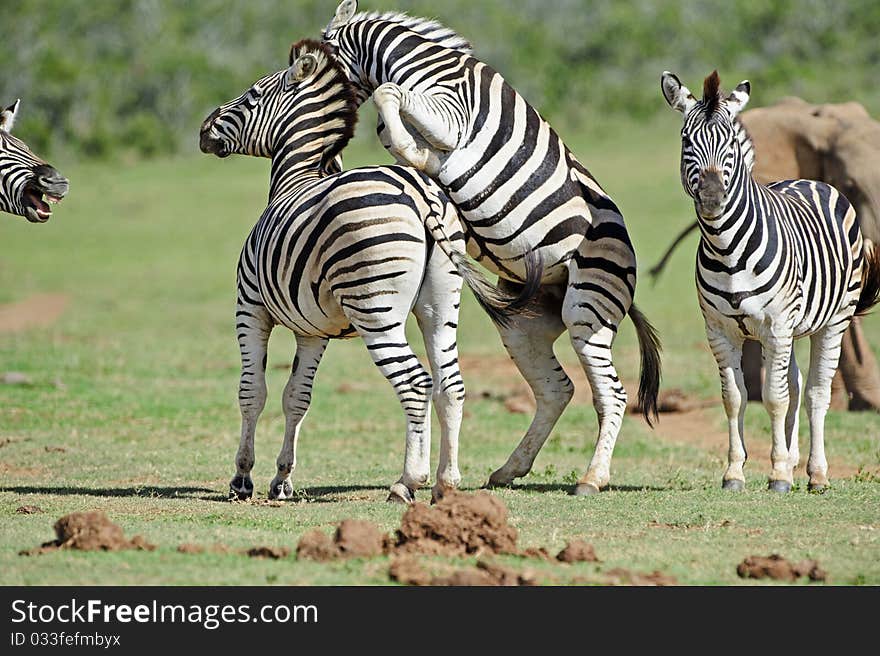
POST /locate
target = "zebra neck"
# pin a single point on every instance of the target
(741, 220)
(294, 170)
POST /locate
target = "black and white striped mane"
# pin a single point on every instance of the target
(347, 95)
(428, 28)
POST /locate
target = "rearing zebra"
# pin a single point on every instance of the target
(345, 254)
(519, 190)
(774, 264)
(24, 177)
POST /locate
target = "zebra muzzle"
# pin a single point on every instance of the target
(710, 194)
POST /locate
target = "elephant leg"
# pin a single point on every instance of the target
(858, 368)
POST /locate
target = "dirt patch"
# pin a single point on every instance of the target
(275, 553)
(90, 531)
(16, 378)
(675, 400)
(460, 524)
(36, 311)
(577, 551)
(620, 576)
(779, 569)
(316, 545)
(29, 510)
(55, 449)
(409, 571)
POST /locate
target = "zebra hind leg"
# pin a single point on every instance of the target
(824, 357)
(529, 341)
(436, 310)
(413, 385)
(775, 393)
(792, 417)
(295, 400)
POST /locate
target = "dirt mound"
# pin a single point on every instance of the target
(620, 576)
(354, 538)
(28, 510)
(275, 553)
(779, 569)
(189, 548)
(577, 551)
(459, 524)
(409, 571)
(90, 531)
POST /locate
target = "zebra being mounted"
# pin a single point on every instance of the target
(337, 255)
(774, 264)
(24, 177)
(519, 190)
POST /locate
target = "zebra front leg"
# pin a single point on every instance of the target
(529, 342)
(775, 393)
(425, 114)
(296, 399)
(728, 355)
(824, 357)
(413, 386)
(254, 327)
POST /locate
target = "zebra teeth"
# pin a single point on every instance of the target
(53, 199)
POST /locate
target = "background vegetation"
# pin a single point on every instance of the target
(137, 76)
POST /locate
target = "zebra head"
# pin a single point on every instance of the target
(24, 177)
(711, 144)
(309, 105)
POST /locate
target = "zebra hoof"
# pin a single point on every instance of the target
(584, 490)
(733, 485)
(282, 490)
(817, 488)
(241, 489)
(783, 487)
(400, 493)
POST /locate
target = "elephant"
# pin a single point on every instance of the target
(838, 144)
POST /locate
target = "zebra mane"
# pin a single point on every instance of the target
(347, 94)
(747, 146)
(711, 93)
(430, 29)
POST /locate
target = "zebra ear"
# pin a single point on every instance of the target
(739, 98)
(304, 66)
(344, 13)
(7, 116)
(677, 95)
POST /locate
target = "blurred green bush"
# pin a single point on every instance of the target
(136, 77)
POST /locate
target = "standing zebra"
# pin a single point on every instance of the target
(24, 177)
(338, 255)
(774, 264)
(519, 190)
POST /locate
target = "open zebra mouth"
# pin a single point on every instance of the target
(36, 204)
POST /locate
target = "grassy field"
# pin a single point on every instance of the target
(131, 406)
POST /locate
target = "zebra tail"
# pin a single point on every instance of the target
(870, 294)
(498, 304)
(649, 380)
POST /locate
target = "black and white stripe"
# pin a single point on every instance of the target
(520, 191)
(774, 264)
(25, 178)
(343, 254)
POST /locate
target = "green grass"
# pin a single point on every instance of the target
(137, 382)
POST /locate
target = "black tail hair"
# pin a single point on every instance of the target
(870, 294)
(499, 305)
(649, 379)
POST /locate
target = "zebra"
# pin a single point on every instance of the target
(25, 178)
(774, 264)
(338, 255)
(519, 189)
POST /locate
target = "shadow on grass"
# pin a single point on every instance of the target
(149, 492)
(318, 494)
(565, 487)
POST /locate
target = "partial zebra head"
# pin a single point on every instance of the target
(711, 140)
(24, 177)
(309, 105)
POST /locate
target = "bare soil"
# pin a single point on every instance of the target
(621, 576)
(275, 553)
(37, 311)
(409, 571)
(779, 569)
(90, 531)
(28, 510)
(577, 551)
